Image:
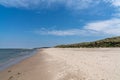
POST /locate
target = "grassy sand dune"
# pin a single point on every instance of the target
(108, 42)
(68, 64)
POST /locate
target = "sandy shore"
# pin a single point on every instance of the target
(67, 64)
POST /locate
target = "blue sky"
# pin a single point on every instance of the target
(42, 23)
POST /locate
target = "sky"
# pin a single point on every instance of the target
(46, 23)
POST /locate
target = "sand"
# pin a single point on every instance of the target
(67, 64)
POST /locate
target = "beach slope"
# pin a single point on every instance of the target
(67, 64)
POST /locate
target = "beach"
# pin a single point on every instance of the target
(67, 64)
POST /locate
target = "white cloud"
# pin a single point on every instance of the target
(116, 3)
(113, 2)
(111, 27)
(70, 32)
(72, 4)
(80, 4)
(68, 4)
(108, 27)
(21, 3)
(101, 28)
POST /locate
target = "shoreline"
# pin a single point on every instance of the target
(16, 60)
(26, 66)
(67, 64)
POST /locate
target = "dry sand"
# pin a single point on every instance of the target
(67, 64)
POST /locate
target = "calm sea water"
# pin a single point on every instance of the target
(8, 57)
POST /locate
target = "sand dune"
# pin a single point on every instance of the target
(67, 64)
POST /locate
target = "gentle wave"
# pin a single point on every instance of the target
(9, 57)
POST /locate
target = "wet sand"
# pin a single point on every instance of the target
(67, 64)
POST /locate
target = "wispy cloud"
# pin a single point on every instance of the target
(101, 28)
(21, 3)
(75, 5)
(72, 4)
(108, 27)
(111, 27)
(115, 2)
(70, 32)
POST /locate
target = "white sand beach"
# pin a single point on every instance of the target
(67, 64)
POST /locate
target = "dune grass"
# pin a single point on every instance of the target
(108, 42)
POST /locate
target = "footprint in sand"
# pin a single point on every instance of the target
(16, 76)
(18, 73)
(9, 71)
(11, 78)
(71, 76)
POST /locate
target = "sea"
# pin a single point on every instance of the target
(9, 57)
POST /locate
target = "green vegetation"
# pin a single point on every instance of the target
(108, 42)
